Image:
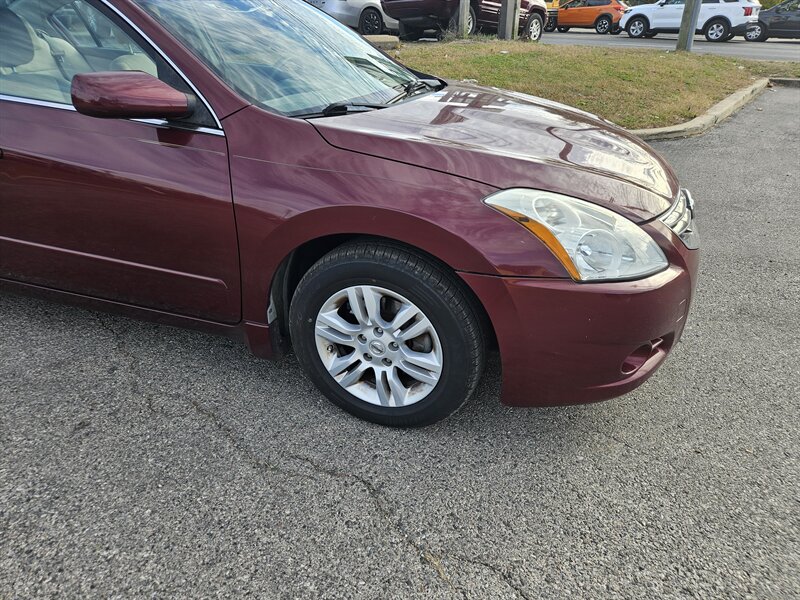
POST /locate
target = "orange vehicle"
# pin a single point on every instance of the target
(602, 15)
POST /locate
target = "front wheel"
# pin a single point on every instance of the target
(603, 25)
(551, 24)
(637, 27)
(370, 22)
(563, 29)
(387, 334)
(757, 34)
(534, 28)
(717, 31)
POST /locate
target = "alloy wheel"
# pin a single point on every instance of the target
(378, 346)
(636, 28)
(371, 22)
(753, 34)
(716, 31)
(534, 29)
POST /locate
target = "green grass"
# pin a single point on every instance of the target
(635, 88)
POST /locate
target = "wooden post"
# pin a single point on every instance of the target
(691, 13)
(508, 23)
(463, 15)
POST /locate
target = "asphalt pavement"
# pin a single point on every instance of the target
(139, 460)
(772, 49)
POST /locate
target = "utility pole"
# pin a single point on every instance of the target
(691, 12)
(463, 15)
(509, 19)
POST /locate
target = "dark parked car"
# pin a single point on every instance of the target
(417, 16)
(256, 169)
(780, 21)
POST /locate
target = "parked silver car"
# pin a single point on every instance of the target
(366, 16)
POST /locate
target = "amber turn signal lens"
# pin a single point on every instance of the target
(548, 239)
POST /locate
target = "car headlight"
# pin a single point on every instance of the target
(592, 242)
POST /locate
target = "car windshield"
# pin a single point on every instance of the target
(283, 55)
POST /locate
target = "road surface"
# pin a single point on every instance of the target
(138, 460)
(782, 50)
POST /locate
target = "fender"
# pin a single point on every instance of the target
(409, 229)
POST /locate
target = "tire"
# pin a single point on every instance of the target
(409, 34)
(551, 24)
(603, 25)
(637, 27)
(471, 22)
(616, 30)
(534, 27)
(730, 37)
(717, 30)
(398, 281)
(650, 35)
(562, 29)
(370, 22)
(758, 34)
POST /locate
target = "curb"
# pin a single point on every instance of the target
(384, 42)
(785, 81)
(719, 112)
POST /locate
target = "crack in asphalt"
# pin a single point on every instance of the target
(501, 574)
(382, 505)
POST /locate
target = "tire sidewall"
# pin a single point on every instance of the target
(363, 16)
(529, 25)
(726, 30)
(601, 20)
(644, 27)
(452, 388)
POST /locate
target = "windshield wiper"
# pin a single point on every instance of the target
(414, 86)
(342, 108)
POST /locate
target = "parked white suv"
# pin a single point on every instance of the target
(719, 20)
(366, 16)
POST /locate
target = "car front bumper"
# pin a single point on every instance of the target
(563, 342)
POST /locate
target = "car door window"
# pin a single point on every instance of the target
(46, 43)
(84, 26)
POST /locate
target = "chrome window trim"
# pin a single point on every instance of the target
(153, 122)
(133, 26)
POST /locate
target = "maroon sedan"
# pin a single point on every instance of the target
(254, 168)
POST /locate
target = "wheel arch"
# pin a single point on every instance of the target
(639, 15)
(605, 14)
(303, 240)
(716, 18)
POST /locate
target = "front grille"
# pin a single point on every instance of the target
(680, 218)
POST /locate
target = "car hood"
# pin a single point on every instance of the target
(506, 139)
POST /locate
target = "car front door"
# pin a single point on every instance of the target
(133, 211)
(667, 15)
(571, 14)
(786, 22)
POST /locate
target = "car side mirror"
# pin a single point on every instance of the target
(128, 95)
